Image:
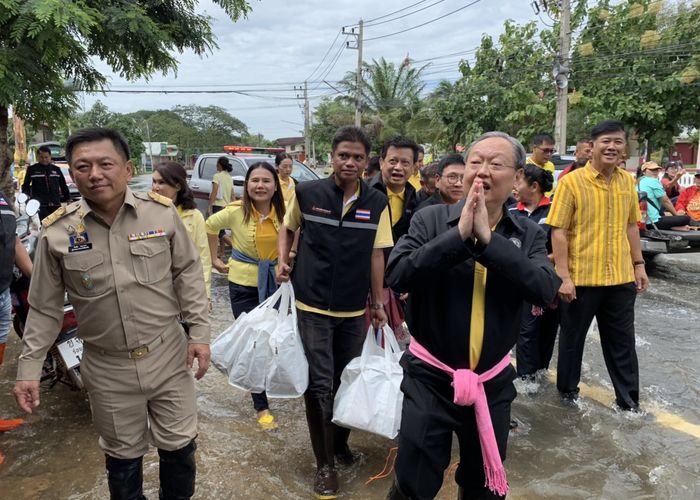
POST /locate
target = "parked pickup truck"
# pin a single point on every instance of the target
(205, 168)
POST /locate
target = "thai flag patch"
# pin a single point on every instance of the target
(361, 214)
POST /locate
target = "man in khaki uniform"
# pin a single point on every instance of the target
(130, 270)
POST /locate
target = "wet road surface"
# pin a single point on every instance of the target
(590, 451)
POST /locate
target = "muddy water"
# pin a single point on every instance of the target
(590, 451)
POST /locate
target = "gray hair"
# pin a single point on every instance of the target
(519, 154)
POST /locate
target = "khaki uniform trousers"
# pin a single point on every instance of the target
(137, 401)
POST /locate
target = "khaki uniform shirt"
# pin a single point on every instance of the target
(128, 282)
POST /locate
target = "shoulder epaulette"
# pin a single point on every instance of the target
(51, 218)
(163, 200)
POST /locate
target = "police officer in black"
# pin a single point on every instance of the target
(45, 182)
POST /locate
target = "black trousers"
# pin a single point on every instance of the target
(245, 299)
(428, 419)
(613, 307)
(670, 221)
(330, 344)
(536, 340)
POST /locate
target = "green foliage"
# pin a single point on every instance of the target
(641, 67)
(47, 48)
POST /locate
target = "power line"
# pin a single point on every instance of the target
(332, 64)
(423, 24)
(389, 14)
(325, 55)
(405, 15)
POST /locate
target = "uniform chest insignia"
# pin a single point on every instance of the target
(50, 219)
(78, 237)
(146, 235)
(515, 241)
(362, 214)
(163, 200)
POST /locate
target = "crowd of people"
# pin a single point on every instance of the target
(481, 252)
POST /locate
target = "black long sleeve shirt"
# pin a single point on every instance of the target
(46, 184)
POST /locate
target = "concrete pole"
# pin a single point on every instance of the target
(307, 125)
(358, 83)
(563, 92)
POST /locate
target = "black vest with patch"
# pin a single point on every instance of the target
(332, 270)
(8, 226)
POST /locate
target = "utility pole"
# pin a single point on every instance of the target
(358, 73)
(307, 124)
(561, 76)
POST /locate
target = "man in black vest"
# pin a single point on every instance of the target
(344, 229)
(45, 182)
(397, 158)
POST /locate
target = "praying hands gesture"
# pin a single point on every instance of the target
(474, 221)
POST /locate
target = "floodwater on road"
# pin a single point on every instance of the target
(588, 451)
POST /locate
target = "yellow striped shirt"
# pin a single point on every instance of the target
(596, 214)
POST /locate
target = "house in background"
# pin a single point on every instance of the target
(156, 152)
(684, 149)
(294, 146)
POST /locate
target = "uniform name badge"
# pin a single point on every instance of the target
(78, 239)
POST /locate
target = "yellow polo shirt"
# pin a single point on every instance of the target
(288, 190)
(383, 239)
(415, 181)
(257, 238)
(596, 214)
(549, 167)
(195, 225)
(396, 203)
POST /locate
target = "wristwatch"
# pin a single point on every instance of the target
(639, 263)
(377, 306)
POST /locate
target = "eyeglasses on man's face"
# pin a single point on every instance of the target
(547, 151)
(454, 178)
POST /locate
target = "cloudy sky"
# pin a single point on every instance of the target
(282, 43)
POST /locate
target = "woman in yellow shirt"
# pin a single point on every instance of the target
(254, 223)
(284, 162)
(221, 186)
(170, 180)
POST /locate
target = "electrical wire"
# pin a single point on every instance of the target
(368, 24)
(332, 64)
(389, 14)
(423, 24)
(325, 55)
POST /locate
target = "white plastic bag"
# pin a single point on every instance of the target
(262, 349)
(369, 397)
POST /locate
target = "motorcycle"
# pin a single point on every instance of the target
(62, 363)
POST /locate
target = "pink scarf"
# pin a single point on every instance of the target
(469, 390)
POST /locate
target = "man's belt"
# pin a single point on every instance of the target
(138, 353)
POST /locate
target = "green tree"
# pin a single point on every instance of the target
(329, 116)
(391, 96)
(639, 62)
(508, 87)
(47, 46)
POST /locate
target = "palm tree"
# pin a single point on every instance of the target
(385, 86)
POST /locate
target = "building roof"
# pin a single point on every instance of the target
(290, 141)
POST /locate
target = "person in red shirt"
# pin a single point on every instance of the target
(689, 202)
(673, 172)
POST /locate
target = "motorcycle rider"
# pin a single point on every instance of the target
(44, 181)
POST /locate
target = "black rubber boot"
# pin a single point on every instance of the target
(395, 493)
(178, 470)
(319, 412)
(125, 478)
(343, 454)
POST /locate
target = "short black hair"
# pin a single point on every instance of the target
(608, 127)
(542, 138)
(421, 149)
(400, 142)
(281, 157)
(43, 149)
(429, 171)
(533, 173)
(94, 134)
(451, 159)
(373, 166)
(351, 133)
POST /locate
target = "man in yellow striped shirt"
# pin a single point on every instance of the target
(598, 256)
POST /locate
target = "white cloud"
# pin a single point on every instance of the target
(283, 42)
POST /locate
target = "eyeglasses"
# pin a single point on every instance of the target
(454, 178)
(547, 151)
(475, 165)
